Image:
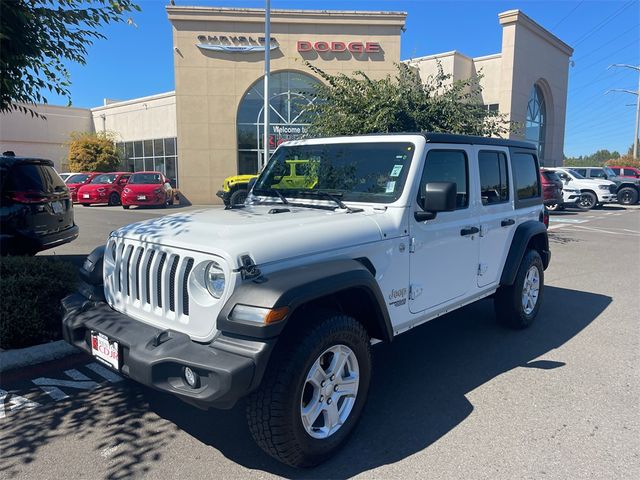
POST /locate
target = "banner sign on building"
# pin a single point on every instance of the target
(235, 44)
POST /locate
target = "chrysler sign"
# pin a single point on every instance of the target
(239, 43)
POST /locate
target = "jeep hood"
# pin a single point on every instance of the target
(252, 230)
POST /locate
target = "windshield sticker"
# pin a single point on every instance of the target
(391, 186)
(396, 171)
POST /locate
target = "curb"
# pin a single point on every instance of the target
(25, 357)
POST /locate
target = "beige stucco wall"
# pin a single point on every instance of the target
(531, 55)
(31, 136)
(490, 68)
(139, 119)
(210, 85)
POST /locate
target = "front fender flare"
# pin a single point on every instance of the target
(297, 286)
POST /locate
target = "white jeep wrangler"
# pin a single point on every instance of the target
(280, 299)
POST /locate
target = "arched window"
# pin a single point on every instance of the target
(535, 123)
(290, 96)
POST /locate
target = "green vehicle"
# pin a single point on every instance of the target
(236, 187)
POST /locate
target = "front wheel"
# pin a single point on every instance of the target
(238, 197)
(627, 196)
(587, 201)
(114, 199)
(314, 391)
(517, 305)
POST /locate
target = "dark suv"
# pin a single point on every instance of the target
(628, 191)
(36, 212)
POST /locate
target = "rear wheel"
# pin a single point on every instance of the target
(587, 201)
(314, 391)
(126, 207)
(114, 199)
(627, 196)
(238, 197)
(517, 305)
(86, 204)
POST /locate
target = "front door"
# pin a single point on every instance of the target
(495, 213)
(444, 258)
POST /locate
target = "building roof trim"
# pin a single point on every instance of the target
(436, 56)
(518, 17)
(253, 15)
(487, 57)
(133, 101)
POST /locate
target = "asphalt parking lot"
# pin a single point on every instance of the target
(459, 397)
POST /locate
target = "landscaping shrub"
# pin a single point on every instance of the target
(30, 292)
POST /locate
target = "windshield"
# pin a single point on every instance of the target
(106, 178)
(79, 178)
(145, 178)
(575, 174)
(359, 172)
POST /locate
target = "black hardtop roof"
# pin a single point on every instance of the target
(8, 162)
(433, 137)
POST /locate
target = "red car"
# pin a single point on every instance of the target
(148, 188)
(75, 181)
(632, 172)
(103, 188)
(551, 187)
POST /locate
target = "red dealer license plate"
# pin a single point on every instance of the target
(105, 349)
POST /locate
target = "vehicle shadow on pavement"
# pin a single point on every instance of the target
(419, 385)
(418, 394)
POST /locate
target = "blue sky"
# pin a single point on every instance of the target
(138, 61)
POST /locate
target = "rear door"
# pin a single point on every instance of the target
(497, 219)
(444, 256)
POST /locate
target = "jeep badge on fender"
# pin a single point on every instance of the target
(340, 243)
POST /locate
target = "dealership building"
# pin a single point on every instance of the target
(211, 126)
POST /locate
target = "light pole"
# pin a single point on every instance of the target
(267, 66)
(637, 94)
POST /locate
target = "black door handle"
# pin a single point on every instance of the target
(469, 231)
(507, 222)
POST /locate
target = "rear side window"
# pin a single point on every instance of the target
(629, 172)
(30, 177)
(494, 183)
(580, 171)
(525, 172)
(448, 166)
(597, 173)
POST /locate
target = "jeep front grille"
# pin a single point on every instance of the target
(152, 277)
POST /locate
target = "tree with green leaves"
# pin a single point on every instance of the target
(357, 104)
(93, 152)
(38, 36)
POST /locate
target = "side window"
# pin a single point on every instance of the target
(525, 173)
(581, 171)
(597, 173)
(629, 172)
(494, 183)
(448, 166)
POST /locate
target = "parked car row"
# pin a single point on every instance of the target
(587, 187)
(121, 188)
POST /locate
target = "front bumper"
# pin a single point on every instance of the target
(607, 198)
(229, 368)
(150, 200)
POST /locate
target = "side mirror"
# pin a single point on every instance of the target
(437, 197)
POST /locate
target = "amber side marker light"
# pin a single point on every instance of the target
(258, 315)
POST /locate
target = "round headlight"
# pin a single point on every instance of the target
(214, 279)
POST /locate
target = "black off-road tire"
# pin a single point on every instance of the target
(114, 199)
(126, 207)
(627, 196)
(587, 201)
(238, 197)
(508, 299)
(273, 411)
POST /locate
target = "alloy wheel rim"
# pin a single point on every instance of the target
(587, 201)
(330, 391)
(530, 290)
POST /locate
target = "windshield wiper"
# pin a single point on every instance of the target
(330, 196)
(270, 192)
